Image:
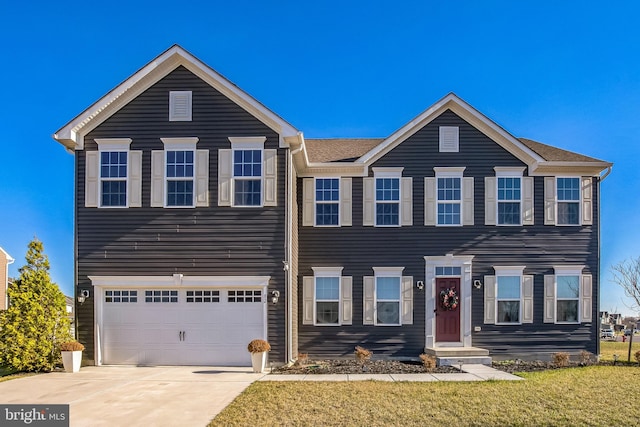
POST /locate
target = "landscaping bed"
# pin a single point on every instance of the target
(352, 366)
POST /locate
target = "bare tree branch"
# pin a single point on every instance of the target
(626, 274)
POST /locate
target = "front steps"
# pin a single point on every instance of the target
(455, 356)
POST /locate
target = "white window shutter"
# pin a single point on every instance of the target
(527, 200)
(347, 300)
(202, 178)
(308, 202)
(406, 193)
(270, 177)
(586, 293)
(549, 200)
(224, 176)
(91, 179)
(369, 292)
(527, 299)
(368, 201)
(430, 201)
(449, 139)
(587, 200)
(157, 178)
(180, 106)
(490, 300)
(308, 291)
(549, 298)
(467, 201)
(346, 202)
(490, 200)
(135, 179)
(407, 300)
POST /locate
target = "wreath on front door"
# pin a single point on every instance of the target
(449, 299)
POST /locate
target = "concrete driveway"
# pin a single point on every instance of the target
(134, 396)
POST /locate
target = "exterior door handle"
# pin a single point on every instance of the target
(180, 335)
(184, 336)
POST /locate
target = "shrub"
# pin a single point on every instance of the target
(561, 359)
(302, 359)
(637, 356)
(428, 361)
(258, 346)
(362, 354)
(71, 346)
(585, 358)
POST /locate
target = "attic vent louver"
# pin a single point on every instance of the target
(449, 138)
(180, 106)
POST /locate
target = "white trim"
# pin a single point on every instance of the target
(187, 116)
(387, 172)
(449, 171)
(388, 271)
(327, 271)
(568, 270)
(509, 272)
(579, 201)
(442, 133)
(248, 142)
(247, 146)
(174, 281)
(113, 144)
(180, 144)
(509, 171)
(515, 270)
(465, 263)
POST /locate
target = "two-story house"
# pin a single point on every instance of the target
(204, 220)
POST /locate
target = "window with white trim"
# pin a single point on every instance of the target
(326, 297)
(449, 200)
(568, 201)
(247, 177)
(387, 297)
(113, 178)
(387, 198)
(567, 298)
(448, 271)
(509, 200)
(327, 201)
(508, 294)
(180, 177)
(180, 105)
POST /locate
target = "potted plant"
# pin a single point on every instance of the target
(258, 349)
(71, 355)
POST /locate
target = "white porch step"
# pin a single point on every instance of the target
(465, 360)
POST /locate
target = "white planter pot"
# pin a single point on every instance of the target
(71, 360)
(259, 361)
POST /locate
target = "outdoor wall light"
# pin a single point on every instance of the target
(420, 284)
(84, 294)
(477, 284)
(274, 296)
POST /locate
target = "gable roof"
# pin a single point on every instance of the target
(10, 260)
(72, 134)
(540, 158)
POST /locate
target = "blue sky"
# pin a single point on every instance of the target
(563, 73)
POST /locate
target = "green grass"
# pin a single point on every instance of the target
(7, 374)
(574, 396)
(609, 348)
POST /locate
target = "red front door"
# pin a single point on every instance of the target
(447, 321)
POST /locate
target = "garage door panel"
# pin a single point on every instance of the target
(208, 330)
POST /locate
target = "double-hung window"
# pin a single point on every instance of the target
(509, 200)
(449, 200)
(180, 177)
(508, 293)
(113, 175)
(247, 177)
(568, 295)
(387, 201)
(327, 201)
(387, 198)
(388, 297)
(567, 298)
(568, 194)
(113, 178)
(326, 297)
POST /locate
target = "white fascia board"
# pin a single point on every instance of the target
(179, 281)
(468, 113)
(576, 168)
(10, 260)
(328, 170)
(72, 134)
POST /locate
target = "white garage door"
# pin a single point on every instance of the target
(180, 326)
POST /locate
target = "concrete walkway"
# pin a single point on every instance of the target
(470, 373)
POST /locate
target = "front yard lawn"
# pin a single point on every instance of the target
(607, 349)
(572, 396)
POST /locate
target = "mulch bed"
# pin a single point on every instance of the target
(351, 366)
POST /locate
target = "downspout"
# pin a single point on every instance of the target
(600, 179)
(288, 257)
(6, 284)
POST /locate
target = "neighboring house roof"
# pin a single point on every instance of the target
(72, 134)
(339, 149)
